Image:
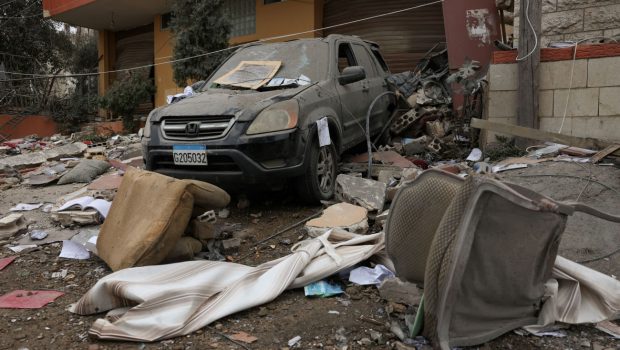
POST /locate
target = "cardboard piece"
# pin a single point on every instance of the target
(26, 299)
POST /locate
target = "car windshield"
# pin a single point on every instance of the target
(300, 63)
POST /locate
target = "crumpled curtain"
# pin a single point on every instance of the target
(578, 294)
(152, 303)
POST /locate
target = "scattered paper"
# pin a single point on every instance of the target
(323, 127)
(550, 149)
(475, 155)
(6, 261)
(366, 276)
(100, 205)
(26, 207)
(26, 299)
(21, 248)
(301, 81)
(565, 158)
(322, 289)
(73, 250)
(294, 341)
(500, 168)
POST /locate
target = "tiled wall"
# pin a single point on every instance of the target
(593, 106)
(574, 19)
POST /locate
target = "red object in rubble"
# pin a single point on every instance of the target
(6, 261)
(28, 299)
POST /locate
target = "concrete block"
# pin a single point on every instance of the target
(11, 225)
(549, 6)
(491, 135)
(604, 72)
(556, 75)
(502, 104)
(602, 17)
(612, 33)
(545, 103)
(605, 128)
(554, 124)
(577, 4)
(584, 35)
(581, 103)
(562, 22)
(366, 193)
(609, 101)
(503, 77)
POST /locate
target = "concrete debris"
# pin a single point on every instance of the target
(76, 217)
(366, 193)
(397, 291)
(31, 160)
(230, 245)
(345, 216)
(85, 172)
(12, 225)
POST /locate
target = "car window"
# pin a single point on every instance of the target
(345, 57)
(364, 60)
(377, 54)
(307, 57)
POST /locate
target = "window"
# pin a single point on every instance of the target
(345, 57)
(365, 60)
(377, 54)
(267, 2)
(165, 20)
(242, 14)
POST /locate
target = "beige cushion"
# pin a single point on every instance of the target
(149, 215)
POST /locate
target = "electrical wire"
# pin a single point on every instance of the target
(527, 17)
(572, 74)
(40, 76)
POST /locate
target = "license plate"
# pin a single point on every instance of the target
(189, 154)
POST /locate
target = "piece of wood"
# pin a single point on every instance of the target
(529, 39)
(540, 135)
(604, 153)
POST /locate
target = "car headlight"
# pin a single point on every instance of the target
(280, 116)
(146, 133)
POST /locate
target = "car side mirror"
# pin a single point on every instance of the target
(351, 75)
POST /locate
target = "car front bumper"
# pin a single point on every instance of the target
(234, 159)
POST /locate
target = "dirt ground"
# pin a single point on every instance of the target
(358, 313)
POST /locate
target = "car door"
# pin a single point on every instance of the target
(354, 97)
(377, 84)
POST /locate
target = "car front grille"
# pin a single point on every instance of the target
(196, 128)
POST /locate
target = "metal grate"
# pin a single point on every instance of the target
(196, 128)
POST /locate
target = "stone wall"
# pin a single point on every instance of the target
(593, 107)
(574, 19)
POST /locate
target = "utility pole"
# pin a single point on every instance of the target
(529, 49)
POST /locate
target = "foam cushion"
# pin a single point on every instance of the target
(149, 215)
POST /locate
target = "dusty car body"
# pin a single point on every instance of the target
(233, 136)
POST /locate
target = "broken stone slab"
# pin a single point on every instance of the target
(12, 225)
(386, 176)
(346, 216)
(394, 290)
(68, 218)
(230, 245)
(365, 193)
(31, 160)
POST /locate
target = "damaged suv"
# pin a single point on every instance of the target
(254, 121)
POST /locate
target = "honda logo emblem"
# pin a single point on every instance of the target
(192, 129)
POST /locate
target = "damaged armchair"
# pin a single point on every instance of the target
(149, 216)
(486, 253)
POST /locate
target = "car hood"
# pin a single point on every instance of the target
(245, 104)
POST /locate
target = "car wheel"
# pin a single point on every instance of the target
(320, 179)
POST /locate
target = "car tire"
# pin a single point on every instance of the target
(319, 183)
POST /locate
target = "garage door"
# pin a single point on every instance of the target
(404, 37)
